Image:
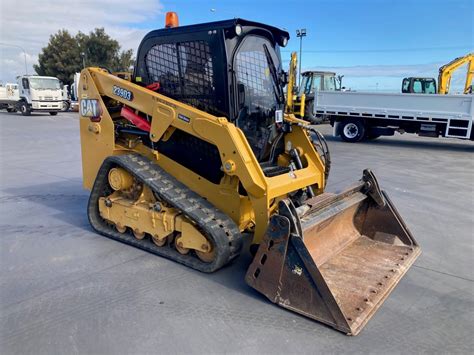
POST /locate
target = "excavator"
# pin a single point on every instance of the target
(416, 85)
(194, 156)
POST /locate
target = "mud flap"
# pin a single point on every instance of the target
(339, 261)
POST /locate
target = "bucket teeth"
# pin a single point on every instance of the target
(340, 261)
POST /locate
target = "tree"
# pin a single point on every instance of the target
(65, 55)
(60, 58)
(124, 61)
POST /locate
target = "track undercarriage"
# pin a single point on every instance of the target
(137, 203)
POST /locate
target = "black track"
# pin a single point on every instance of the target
(220, 230)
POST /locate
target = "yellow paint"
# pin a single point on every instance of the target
(250, 212)
(446, 71)
(190, 237)
(119, 179)
(294, 105)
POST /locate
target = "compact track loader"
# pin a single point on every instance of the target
(195, 152)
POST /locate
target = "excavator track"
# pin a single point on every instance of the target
(219, 229)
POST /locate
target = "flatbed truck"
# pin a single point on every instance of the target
(356, 116)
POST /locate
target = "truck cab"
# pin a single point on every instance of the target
(39, 93)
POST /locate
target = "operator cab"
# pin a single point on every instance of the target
(414, 85)
(227, 68)
(313, 81)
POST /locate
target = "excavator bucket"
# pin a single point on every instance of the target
(337, 258)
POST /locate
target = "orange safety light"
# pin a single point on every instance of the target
(171, 20)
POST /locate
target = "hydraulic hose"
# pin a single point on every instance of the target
(299, 165)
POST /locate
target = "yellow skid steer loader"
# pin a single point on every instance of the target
(195, 151)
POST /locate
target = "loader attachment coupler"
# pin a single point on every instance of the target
(337, 262)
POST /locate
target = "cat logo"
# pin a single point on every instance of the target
(90, 108)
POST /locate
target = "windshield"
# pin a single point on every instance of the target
(306, 83)
(254, 71)
(44, 83)
(329, 83)
(311, 83)
(257, 68)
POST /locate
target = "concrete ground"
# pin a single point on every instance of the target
(65, 289)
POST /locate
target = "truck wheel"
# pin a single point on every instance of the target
(53, 113)
(352, 130)
(66, 107)
(24, 109)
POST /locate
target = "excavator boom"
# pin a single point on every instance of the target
(446, 72)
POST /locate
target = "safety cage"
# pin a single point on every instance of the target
(194, 64)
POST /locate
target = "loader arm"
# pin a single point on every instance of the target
(294, 105)
(168, 115)
(290, 87)
(446, 72)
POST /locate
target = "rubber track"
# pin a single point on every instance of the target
(217, 226)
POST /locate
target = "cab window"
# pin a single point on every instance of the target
(306, 85)
(316, 83)
(406, 85)
(417, 86)
(329, 83)
(430, 87)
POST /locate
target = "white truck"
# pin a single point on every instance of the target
(9, 97)
(66, 98)
(39, 93)
(74, 104)
(362, 115)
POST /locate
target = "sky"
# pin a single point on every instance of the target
(373, 43)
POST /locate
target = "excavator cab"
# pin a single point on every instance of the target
(413, 85)
(196, 151)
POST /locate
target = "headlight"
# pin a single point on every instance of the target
(238, 30)
(284, 42)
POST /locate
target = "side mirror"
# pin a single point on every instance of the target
(241, 95)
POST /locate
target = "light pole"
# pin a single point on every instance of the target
(300, 34)
(24, 53)
(83, 55)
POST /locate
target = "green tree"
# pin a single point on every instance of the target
(60, 58)
(123, 61)
(65, 55)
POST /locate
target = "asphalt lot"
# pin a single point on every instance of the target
(64, 289)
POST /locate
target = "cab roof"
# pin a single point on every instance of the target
(317, 72)
(37, 76)
(208, 26)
